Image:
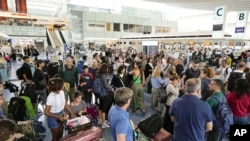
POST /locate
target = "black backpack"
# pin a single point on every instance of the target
(17, 109)
(29, 90)
(151, 125)
(233, 77)
(19, 73)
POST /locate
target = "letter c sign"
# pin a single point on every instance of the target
(218, 12)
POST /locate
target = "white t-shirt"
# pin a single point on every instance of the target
(56, 101)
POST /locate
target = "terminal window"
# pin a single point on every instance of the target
(116, 27)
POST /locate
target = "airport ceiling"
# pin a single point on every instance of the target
(232, 5)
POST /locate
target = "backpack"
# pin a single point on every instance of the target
(17, 109)
(80, 66)
(27, 130)
(19, 73)
(151, 125)
(12, 87)
(98, 87)
(29, 107)
(29, 90)
(233, 77)
(223, 116)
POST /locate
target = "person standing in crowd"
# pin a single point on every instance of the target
(216, 87)
(26, 70)
(82, 88)
(78, 106)
(229, 60)
(206, 75)
(149, 68)
(192, 72)
(8, 130)
(70, 75)
(239, 102)
(94, 68)
(54, 109)
(137, 87)
(104, 101)
(173, 93)
(89, 78)
(180, 67)
(157, 86)
(97, 58)
(121, 128)
(116, 65)
(144, 61)
(119, 80)
(40, 81)
(191, 116)
(224, 71)
(172, 65)
(235, 75)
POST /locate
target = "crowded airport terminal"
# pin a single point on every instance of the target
(124, 70)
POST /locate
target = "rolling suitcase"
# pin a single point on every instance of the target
(93, 112)
(92, 134)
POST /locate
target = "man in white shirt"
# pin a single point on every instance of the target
(225, 71)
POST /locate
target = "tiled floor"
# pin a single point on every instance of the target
(136, 118)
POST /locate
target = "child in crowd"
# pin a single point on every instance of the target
(55, 106)
(83, 89)
(78, 106)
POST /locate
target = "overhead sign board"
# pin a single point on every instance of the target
(240, 25)
(219, 22)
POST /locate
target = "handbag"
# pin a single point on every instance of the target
(151, 125)
(42, 82)
(78, 124)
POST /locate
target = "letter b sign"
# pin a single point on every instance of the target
(241, 16)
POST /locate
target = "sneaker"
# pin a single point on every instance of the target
(99, 121)
(105, 125)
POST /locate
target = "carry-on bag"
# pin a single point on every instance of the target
(78, 124)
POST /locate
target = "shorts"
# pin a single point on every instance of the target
(53, 122)
(105, 103)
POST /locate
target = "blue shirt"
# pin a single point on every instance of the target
(119, 123)
(191, 115)
(158, 82)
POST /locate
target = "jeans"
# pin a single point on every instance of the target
(241, 120)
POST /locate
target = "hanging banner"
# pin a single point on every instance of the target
(219, 22)
(240, 25)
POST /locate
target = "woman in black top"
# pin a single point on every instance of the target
(149, 68)
(119, 79)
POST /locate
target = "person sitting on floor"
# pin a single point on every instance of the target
(78, 106)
